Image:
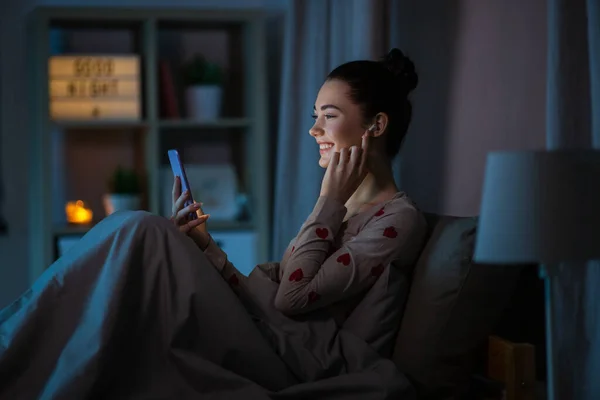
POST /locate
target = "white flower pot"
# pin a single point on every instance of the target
(203, 102)
(120, 202)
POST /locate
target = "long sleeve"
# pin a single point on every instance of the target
(327, 216)
(219, 259)
(325, 208)
(314, 277)
(286, 256)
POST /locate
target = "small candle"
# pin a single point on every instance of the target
(77, 213)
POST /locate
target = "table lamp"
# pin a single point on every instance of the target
(541, 207)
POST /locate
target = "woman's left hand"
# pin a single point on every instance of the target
(195, 228)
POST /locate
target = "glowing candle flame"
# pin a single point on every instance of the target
(77, 213)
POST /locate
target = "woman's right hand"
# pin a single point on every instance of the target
(195, 228)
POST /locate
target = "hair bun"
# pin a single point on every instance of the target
(402, 68)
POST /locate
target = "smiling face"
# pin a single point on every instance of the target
(338, 121)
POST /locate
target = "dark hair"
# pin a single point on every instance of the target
(382, 86)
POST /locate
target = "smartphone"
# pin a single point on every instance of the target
(178, 170)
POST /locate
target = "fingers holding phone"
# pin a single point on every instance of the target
(182, 210)
(187, 214)
(181, 200)
(188, 226)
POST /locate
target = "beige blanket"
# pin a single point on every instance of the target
(136, 311)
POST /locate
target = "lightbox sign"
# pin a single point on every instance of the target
(92, 87)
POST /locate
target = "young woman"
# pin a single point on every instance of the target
(138, 311)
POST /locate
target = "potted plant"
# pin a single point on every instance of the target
(204, 91)
(124, 191)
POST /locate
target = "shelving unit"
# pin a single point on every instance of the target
(100, 125)
(89, 150)
(221, 123)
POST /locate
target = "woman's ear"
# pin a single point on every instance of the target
(380, 124)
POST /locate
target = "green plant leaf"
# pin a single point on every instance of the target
(124, 181)
(198, 71)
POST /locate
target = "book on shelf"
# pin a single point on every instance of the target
(169, 107)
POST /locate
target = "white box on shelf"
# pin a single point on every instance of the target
(213, 185)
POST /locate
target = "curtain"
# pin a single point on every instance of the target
(573, 121)
(319, 36)
(3, 226)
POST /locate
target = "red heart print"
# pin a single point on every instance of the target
(344, 259)
(322, 233)
(379, 213)
(233, 280)
(390, 232)
(377, 271)
(297, 275)
(313, 296)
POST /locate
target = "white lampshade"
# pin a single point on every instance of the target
(540, 207)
